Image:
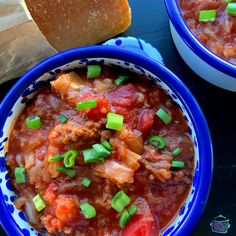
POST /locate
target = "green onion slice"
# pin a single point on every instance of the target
(231, 9)
(207, 16)
(114, 121)
(88, 210)
(20, 175)
(39, 203)
(93, 71)
(69, 172)
(121, 80)
(107, 145)
(157, 141)
(164, 116)
(69, 158)
(33, 122)
(63, 119)
(101, 151)
(132, 210)
(90, 156)
(124, 219)
(56, 158)
(86, 104)
(176, 152)
(177, 164)
(120, 201)
(86, 182)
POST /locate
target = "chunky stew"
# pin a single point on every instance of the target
(214, 24)
(101, 151)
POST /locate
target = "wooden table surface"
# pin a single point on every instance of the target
(150, 22)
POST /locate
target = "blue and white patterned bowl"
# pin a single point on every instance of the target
(14, 221)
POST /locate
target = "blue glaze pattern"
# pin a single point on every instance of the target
(137, 45)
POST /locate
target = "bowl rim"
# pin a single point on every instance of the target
(194, 43)
(176, 85)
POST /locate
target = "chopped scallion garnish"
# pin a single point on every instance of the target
(177, 164)
(56, 158)
(114, 121)
(33, 122)
(86, 104)
(124, 219)
(157, 141)
(69, 172)
(107, 145)
(63, 119)
(176, 152)
(86, 182)
(164, 116)
(121, 80)
(90, 156)
(39, 203)
(231, 9)
(101, 151)
(88, 210)
(93, 71)
(69, 158)
(132, 210)
(20, 175)
(120, 201)
(207, 16)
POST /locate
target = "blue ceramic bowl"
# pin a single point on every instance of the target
(200, 59)
(14, 221)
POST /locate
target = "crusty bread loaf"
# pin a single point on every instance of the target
(72, 23)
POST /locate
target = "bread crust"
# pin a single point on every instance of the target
(72, 23)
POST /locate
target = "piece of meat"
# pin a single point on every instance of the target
(103, 201)
(158, 164)
(76, 132)
(46, 104)
(115, 172)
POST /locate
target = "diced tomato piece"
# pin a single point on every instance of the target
(130, 116)
(103, 106)
(138, 226)
(145, 120)
(142, 224)
(123, 96)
